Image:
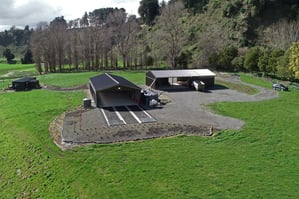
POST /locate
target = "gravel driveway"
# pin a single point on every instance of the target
(186, 113)
(189, 107)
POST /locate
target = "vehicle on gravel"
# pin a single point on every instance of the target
(280, 87)
(198, 85)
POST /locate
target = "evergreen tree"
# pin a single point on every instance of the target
(84, 20)
(251, 59)
(195, 6)
(28, 57)
(223, 59)
(58, 21)
(283, 69)
(148, 10)
(8, 55)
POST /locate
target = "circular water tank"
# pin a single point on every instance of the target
(87, 103)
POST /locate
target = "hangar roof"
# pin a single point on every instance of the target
(106, 81)
(182, 73)
(25, 79)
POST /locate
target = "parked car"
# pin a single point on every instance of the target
(280, 87)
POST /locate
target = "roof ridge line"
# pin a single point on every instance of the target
(112, 78)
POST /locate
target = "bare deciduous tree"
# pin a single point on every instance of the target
(282, 34)
(89, 46)
(37, 45)
(124, 30)
(36, 50)
(57, 34)
(171, 35)
(213, 38)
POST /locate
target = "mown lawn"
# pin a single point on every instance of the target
(8, 72)
(260, 161)
(16, 69)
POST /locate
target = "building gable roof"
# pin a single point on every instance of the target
(25, 79)
(106, 81)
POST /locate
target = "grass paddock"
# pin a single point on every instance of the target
(259, 161)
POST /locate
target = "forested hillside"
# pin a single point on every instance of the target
(16, 40)
(233, 35)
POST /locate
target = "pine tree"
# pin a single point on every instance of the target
(148, 10)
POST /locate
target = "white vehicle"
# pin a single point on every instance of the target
(198, 85)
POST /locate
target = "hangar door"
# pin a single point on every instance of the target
(120, 96)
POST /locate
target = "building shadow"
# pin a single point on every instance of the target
(175, 88)
(218, 87)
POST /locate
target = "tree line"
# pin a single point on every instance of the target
(15, 36)
(108, 38)
(166, 35)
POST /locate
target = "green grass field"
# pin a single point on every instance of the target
(12, 70)
(260, 161)
(76, 79)
(8, 72)
(258, 81)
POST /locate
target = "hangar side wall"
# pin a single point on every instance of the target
(160, 82)
(185, 79)
(149, 79)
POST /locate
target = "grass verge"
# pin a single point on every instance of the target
(238, 87)
(256, 81)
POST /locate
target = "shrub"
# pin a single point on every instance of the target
(232, 9)
(238, 63)
(251, 59)
(283, 70)
(223, 59)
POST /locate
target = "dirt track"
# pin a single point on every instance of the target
(185, 114)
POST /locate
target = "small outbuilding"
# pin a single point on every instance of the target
(110, 90)
(25, 83)
(162, 78)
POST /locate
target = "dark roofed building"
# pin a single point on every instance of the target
(162, 78)
(25, 83)
(110, 90)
